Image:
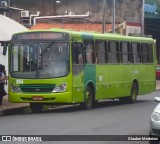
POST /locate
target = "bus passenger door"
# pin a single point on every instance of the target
(78, 71)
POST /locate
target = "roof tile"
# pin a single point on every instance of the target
(76, 27)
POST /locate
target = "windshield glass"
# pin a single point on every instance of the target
(39, 59)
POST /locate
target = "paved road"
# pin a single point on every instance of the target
(107, 118)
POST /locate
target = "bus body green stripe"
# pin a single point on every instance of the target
(90, 74)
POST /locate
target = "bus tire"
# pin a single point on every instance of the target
(88, 101)
(36, 107)
(95, 103)
(133, 96)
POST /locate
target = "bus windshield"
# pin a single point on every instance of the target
(39, 59)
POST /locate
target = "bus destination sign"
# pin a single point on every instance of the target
(39, 36)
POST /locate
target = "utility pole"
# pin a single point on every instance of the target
(113, 16)
(142, 21)
(104, 17)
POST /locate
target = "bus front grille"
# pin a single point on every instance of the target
(37, 87)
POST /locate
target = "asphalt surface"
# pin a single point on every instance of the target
(107, 118)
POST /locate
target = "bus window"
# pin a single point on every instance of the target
(77, 57)
(27, 56)
(126, 55)
(15, 58)
(136, 53)
(114, 52)
(150, 53)
(101, 52)
(77, 53)
(89, 51)
(144, 47)
(40, 60)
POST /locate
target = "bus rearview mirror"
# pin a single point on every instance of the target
(4, 44)
(5, 49)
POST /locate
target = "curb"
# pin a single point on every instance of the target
(14, 111)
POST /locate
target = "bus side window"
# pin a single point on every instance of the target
(114, 55)
(139, 49)
(101, 52)
(89, 51)
(77, 57)
(145, 58)
(150, 53)
(125, 48)
(136, 53)
(77, 53)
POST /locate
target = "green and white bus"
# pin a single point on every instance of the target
(58, 66)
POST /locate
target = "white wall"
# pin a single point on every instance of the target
(4, 61)
(4, 58)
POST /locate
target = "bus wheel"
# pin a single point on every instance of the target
(133, 95)
(36, 107)
(88, 102)
(95, 103)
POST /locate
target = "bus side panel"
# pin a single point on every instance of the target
(90, 76)
(78, 88)
(127, 79)
(145, 74)
(115, 81)
(103, 81)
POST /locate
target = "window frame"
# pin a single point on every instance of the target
(104, 52)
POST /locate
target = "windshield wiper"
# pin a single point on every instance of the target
(47, 48)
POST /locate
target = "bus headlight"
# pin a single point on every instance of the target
(15, 88)
(60, 88)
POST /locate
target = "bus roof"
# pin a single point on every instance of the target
(109, 36)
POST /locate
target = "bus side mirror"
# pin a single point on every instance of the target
(4, 45)
(5, 48)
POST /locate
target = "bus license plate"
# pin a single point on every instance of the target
(37, 98)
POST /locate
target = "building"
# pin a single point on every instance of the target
(152, 22)
(130, 17)
(24, 11)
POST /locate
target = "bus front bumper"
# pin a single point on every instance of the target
(65, 97)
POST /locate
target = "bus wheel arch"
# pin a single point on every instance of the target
(89, 96)
(133, 93)
(91, 85)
